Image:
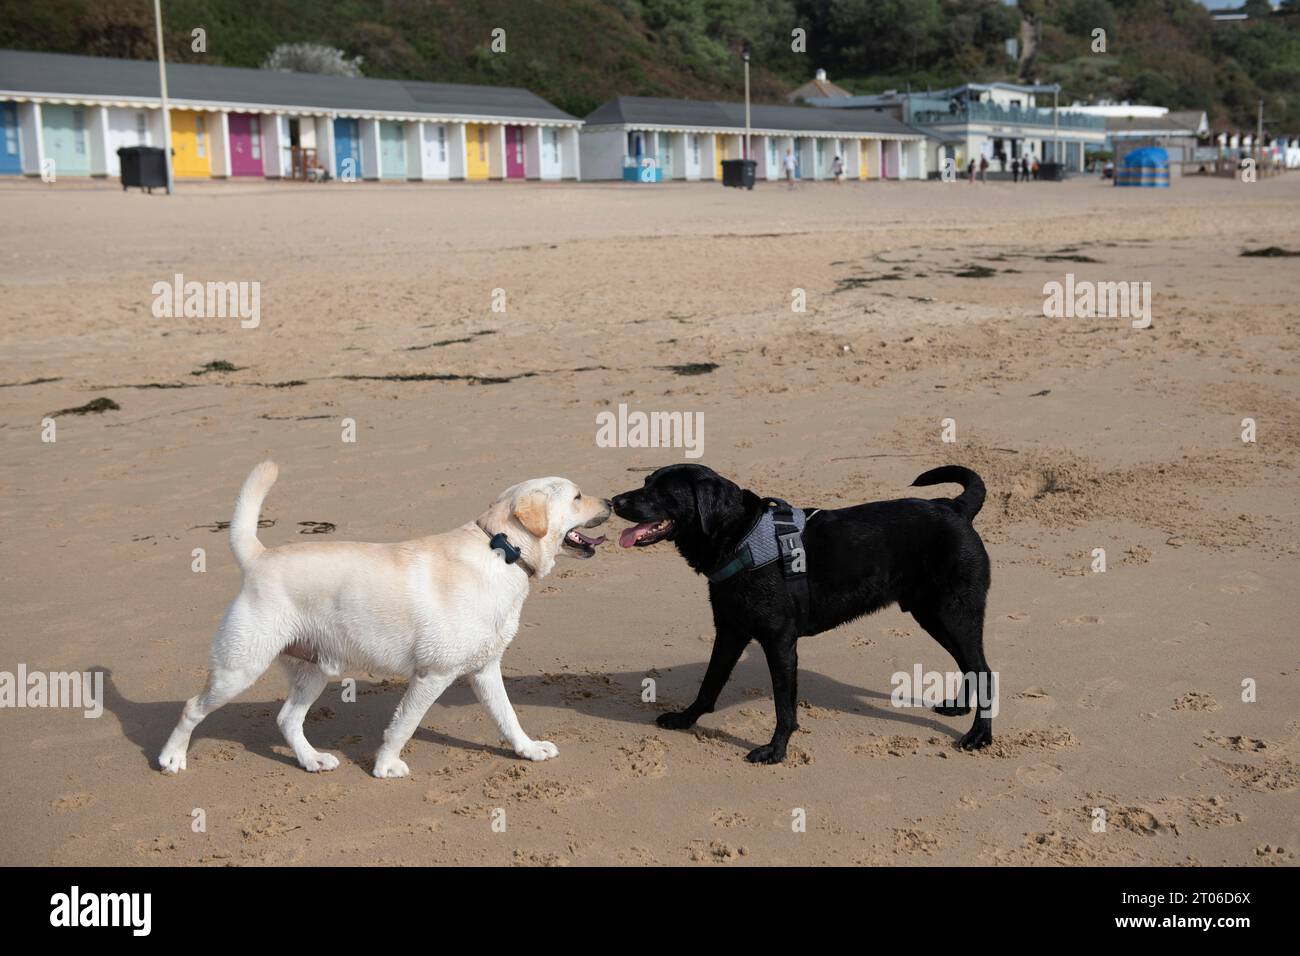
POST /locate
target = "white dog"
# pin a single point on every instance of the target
(432, 609)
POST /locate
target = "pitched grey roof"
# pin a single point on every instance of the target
(1192, 119)
(99, 77)
(709, 114)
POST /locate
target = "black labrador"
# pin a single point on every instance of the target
(922, 553)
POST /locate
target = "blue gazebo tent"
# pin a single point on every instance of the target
(1144, 167)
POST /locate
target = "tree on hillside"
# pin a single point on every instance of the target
(312, 58)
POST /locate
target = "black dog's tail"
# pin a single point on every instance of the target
(971, 500)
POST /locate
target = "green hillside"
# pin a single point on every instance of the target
(578, 53)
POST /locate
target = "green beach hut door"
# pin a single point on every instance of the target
(66, 140)
(392, 150)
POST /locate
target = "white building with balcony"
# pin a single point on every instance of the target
(1003, 122)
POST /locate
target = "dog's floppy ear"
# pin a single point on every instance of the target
(710, 496)
(530, 509)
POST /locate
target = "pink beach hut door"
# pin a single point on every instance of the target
(514, 152)
(245, 144)
(890, 153)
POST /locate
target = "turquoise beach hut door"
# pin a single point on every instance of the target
(347, 149)
(66, 140)
(392, 150)
(11, 159)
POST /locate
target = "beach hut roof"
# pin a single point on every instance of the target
(647, 112)
(60, 77)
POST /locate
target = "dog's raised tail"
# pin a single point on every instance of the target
(248, 508)
(968, 503)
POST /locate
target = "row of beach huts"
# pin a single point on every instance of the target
(65, 116)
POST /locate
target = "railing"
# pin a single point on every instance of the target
(962, 112)
(304, 165)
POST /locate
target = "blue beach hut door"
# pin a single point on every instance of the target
(347, 149)
(11, 159)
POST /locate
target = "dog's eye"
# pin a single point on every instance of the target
(578, 496)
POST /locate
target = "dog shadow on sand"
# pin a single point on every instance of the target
(354, 730)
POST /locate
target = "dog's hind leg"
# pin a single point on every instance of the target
(491, 692)
(961, 631)
(933, 627)
(306, 681)
(240, 655)
(224, 684)
(728, 645)
(421, 692)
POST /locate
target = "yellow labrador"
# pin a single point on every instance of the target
(431, 609)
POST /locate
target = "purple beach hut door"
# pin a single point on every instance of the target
(514, 152)
(245, 144)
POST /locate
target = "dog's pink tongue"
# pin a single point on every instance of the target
(629, 535)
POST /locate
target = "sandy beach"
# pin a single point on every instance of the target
(1121, 691)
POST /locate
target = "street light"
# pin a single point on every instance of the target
(746, 52)
(162, 83)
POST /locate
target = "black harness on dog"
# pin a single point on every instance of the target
(777, 535)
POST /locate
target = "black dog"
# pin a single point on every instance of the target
(922, 553)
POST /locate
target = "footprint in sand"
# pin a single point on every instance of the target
(1016, 743)
(644, 759)
(1238, 744)
(1140, 819)
(1276, 777)
(911, 842)
(1195, 700)
(72, 801)
(1037, 698)
(892, 746)
(715, 851)
(1243, 582)
(1211, 812)
(1097, 693)
(1039, 775)
(728, 819)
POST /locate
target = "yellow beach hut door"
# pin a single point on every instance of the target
(476, 151)
(192, 144)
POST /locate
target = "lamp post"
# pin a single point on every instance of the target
(162, 83)
(1259, 136)
(1056, 132)
(746, 52)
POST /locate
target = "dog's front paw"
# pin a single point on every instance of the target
(676, 720)
(538, 750)
(386, 767)
(321, 762)
(768, 753)
(171, 761)
(950, 708)
(978, 737)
